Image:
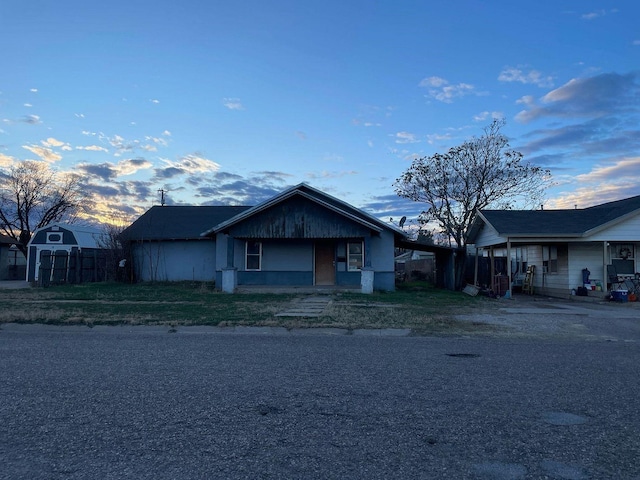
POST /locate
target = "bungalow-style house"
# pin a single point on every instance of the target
(601, 242)
(301, 237)
(60, 253)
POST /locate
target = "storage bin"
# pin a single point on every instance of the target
(620, 295)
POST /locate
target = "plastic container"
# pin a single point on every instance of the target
(620, 295)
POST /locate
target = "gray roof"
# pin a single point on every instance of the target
(566, 223)
(179, 222)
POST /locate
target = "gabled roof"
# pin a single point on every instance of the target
(555, 223)
(321, 198)
(178, 222)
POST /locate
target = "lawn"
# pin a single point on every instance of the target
(416, 306)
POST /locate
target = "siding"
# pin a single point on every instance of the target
(175, 261)
(626, 231)
(489, 236)
(589, 256)
(297, 218)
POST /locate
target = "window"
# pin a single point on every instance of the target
(253, 259)
(355, 256)
(623, 258)
(54, 237)
(550, 258)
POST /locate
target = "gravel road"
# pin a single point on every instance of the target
(559, 402)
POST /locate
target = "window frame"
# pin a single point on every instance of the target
(252, 255)
(360, 254)
(550, 259)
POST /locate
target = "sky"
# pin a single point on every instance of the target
(229, 103)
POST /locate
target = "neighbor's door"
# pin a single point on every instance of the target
(325, 265)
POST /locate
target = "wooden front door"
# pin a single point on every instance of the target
(325, 265)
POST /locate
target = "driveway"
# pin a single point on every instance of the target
(546, 317)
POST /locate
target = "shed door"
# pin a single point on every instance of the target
(325, 263)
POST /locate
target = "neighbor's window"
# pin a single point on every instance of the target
(550, 258)
(253, 256)
(355, 254)
(623, 258)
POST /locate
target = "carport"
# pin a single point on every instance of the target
(450, 262)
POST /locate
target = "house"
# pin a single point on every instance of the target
(12, 261)
(562, 245)
(165, 243)
(299, 237)
(60, 253)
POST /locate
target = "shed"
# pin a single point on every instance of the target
(60, 253)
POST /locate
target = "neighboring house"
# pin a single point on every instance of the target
(12, 261)
(60, 253)
(415, 265)
(166, 245)
(300, 237)
(562, 243)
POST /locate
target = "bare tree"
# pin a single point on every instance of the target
(32, 195)
(482, 172)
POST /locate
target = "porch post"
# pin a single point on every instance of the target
(605, 273)
(492, 270)
(508, 292)
(367, 273)
(229, 273)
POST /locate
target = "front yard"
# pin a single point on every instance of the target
(416, 306)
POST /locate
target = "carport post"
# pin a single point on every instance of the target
(475, 269)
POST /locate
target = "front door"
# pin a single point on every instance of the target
(325, 265)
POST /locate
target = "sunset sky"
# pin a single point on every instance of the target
(231, 102)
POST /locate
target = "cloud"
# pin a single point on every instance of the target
(155, 101)
(45, 153)
(186, 165)
(31, 119)
(585, 97)
(482, 116)
(108, 171)
(534, 77)
(28, 105)
(597, 14)
(92, 148)
(232, 103)
(52, 142)
(6, 160)
(33, 90)
(436, 137)
(385, 206)
(604, 183)
(441, 90)
(406, 137)
(325, 175)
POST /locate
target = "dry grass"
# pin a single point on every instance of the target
(418, 307)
